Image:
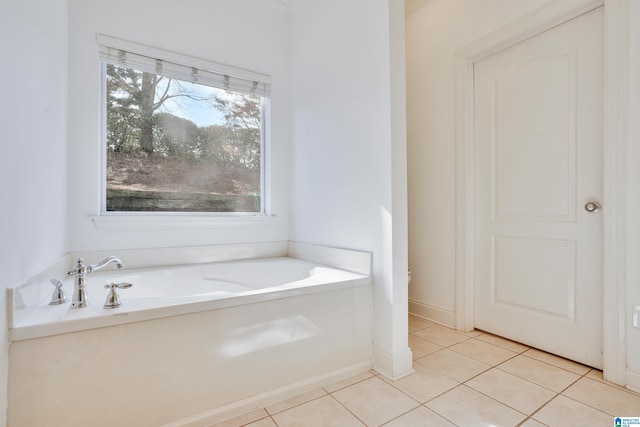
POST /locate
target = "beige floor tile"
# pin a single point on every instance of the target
(596, 375)
(349, 381)
(513, 391)
(441, 335)
(538, 372)
(565, 412)
(265, 422)
(420, 417)
(532, 423)
(605, 398)
(374, 401)
(415, 323)
(425, 383)
(466, 407)
(322, 412)
(554, 360)
(243, 419)
(502, 342)
(483, 351)
(421, 347)
(454, 365)
(295, 401)
(470, 334)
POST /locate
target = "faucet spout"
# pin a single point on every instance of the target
(106, 261)
(79, 272)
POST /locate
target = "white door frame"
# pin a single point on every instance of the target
(616, 43)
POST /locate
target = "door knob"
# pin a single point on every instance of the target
(592, 207)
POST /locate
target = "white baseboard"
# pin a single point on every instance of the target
(633, 381)
(265, 399)
(433, 313)
(393, 366)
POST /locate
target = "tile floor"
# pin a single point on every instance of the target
(461, 379)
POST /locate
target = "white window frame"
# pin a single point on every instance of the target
(209, 73)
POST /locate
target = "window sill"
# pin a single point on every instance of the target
(116, 222)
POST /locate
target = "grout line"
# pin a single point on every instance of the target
(295, 406)
(558, 393)
(516, 353)
(495, 400)
(584, 403)
(529, 418)
(388, 382)
(348, 385)
(347, 409)
(474, 390)
(559, 367)
(392, 384)
(404, 413)
(493, 366)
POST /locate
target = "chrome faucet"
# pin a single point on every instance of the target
(79, 271)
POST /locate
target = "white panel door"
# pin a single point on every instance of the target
(538, 136)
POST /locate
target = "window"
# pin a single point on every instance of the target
(180, 134)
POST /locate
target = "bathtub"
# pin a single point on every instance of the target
(169, 291)
(202, 341)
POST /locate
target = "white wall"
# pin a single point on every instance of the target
(241, 33)
(435, 29)
(348, 149)
(633, 242)
(33, 117)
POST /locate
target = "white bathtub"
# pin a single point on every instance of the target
(230, 279)
(202, 342)
(168, 291)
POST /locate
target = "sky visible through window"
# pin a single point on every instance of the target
(201, 113)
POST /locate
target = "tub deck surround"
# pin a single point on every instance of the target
(267, 272)
(218, 358)
(194, 369)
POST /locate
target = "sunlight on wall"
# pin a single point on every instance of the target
(386, 222)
